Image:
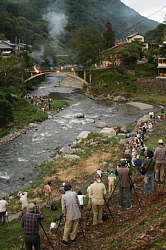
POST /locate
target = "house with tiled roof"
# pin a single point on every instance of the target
(135, 38)
(6, 48)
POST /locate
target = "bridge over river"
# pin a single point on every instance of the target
(70, 71)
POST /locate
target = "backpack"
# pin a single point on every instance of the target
(137, 163)
(105, 216)
(53, 207)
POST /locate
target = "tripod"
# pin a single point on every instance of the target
(109, 211)
(113, 192)
(106, 203)
(46, 235)
(82, 229)
(132, 186)
(60, 218)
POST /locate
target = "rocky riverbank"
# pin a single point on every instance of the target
(14, 133)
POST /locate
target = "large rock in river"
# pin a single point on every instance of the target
(83, 135)
(108, 131)
(78, 115)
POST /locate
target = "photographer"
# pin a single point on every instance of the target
(149, 165)
(71, 214)
(47, 193)
(124, 174)
(61, 189)
(98, 192)
(24, 201)
(30, 223)
(3, 204)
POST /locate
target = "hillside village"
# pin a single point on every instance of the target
(113, 56)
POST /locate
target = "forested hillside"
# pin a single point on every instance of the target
(34, 21)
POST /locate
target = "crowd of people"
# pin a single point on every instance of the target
(135, 156)
(39, 101)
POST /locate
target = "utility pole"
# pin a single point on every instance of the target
(16, 45)
(19, 44)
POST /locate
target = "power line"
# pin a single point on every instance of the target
(141, 21)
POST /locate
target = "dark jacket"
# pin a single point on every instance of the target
(150, 167)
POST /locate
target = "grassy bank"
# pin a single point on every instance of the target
(25, 113)
(108, 83)
(77, 172)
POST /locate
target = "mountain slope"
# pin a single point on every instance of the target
(26, 19)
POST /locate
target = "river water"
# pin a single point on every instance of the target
(19, 158)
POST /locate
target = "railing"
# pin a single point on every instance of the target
(59, 69)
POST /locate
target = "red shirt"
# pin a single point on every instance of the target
(47, 189)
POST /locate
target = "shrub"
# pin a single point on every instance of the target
(6, 111)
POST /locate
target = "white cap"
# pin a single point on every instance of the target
(63, 184)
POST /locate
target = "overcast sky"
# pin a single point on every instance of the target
(148, 7)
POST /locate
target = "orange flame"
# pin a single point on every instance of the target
(36, 70)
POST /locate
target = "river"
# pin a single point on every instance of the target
(19, 158)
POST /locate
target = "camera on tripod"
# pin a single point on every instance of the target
(124, 162)
(36, 207)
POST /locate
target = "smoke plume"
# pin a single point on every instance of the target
(57, 21)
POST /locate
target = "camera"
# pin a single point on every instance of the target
(36, 207)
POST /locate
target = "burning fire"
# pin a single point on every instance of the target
(36, 70)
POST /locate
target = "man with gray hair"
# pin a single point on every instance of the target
(71, 214)
(98, 192)
(30, 222)
(160, 157)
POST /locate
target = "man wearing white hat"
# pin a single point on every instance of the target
(160, 157)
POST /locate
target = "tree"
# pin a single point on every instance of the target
(12, 70)
(156, 35)
(86, 43)
(162, 50)
(109, 36)
(6, 112)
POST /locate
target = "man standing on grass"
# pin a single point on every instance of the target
(98, 192)
(3, 204)
(47, 193)
(160, 157)
(30, 222)
(24, 202)
(71, 214)
(124, 173)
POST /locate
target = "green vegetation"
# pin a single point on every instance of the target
(51, 170)
(31, 22)
(25, 113)
(86, 42)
